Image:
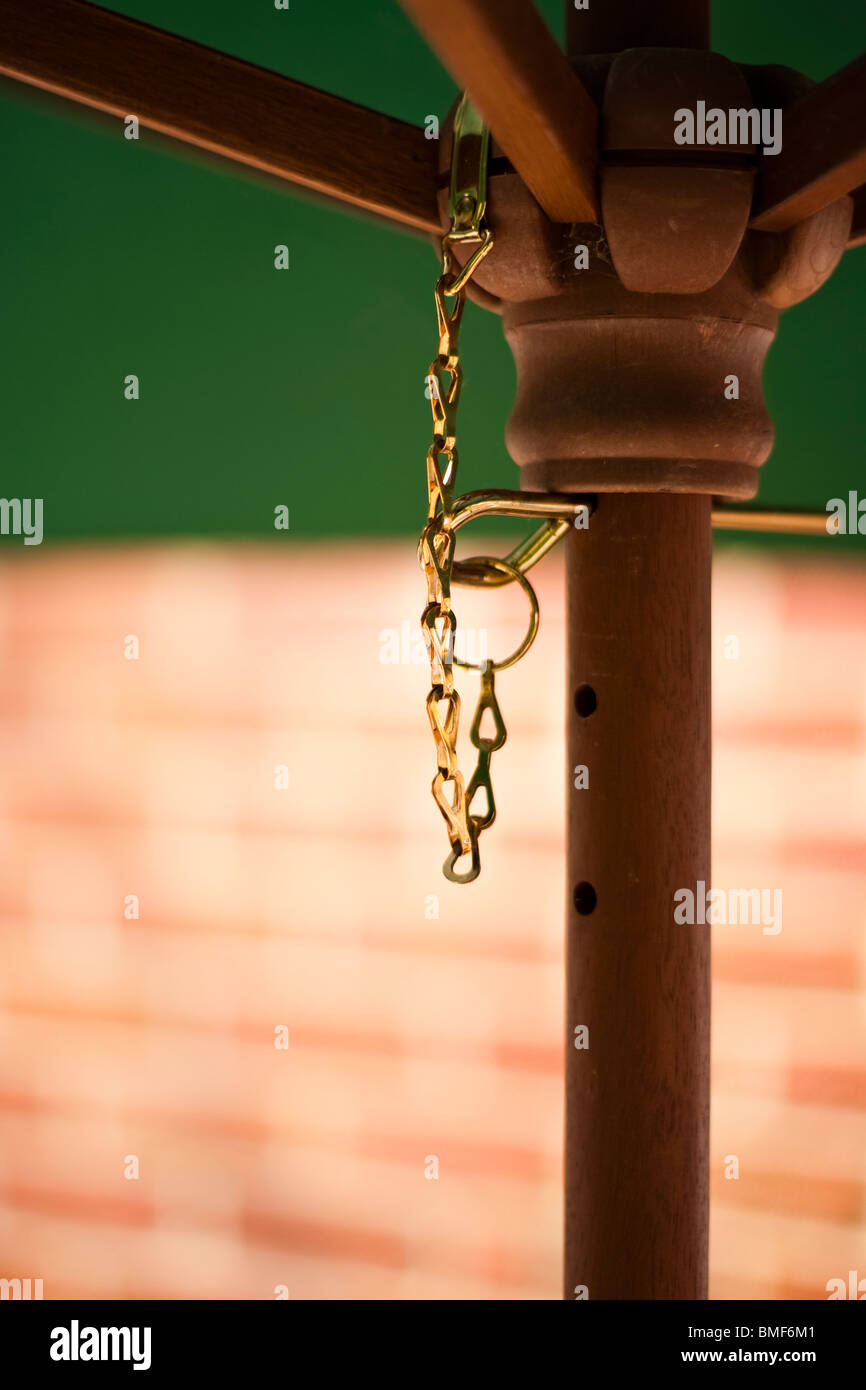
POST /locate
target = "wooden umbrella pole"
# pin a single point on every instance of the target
(639, 346)
(637, 1012)
(637, 983)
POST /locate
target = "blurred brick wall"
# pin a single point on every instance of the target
(411, 1035)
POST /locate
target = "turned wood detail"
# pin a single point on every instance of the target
(640, 341)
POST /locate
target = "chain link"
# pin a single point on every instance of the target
(436, 552)
(438, 621)
(446, 513)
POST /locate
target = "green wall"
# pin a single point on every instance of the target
(305, 387)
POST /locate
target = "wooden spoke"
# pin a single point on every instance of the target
(235, 109)
(502, 53)
(823, 152)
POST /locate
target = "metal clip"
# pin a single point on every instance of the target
(468, 200)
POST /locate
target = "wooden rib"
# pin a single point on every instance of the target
(857, 236)
(502, 53)
(823, 152)
(235, 109)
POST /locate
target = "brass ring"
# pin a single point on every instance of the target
(512, 571)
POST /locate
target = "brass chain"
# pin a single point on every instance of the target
(436, 552)
(446, 513)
